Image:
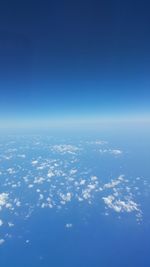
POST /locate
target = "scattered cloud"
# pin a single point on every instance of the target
(56, 177)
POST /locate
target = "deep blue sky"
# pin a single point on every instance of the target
(74, 58)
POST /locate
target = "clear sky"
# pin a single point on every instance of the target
(75, 59)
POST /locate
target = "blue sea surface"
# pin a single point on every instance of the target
(79, 200)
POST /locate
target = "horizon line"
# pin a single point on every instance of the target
(16, 123)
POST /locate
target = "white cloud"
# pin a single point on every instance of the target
(98, 142)
(73, 171)
(50, 174)
(120, 205)
(82, 182)
(3, 199)
(11, 171)
(39, 180)
(72, 182)
(10, 224)
(66, 197)
(2, 241)
(64, 149)
(114, 183)
(34, 162)
(114, 152)
(69, 225)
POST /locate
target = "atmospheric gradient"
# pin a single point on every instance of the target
(74, 133)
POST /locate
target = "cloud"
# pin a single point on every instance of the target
(2, 241)
(114, 152)
(65, 149)
(98, 142)
(75, 179)
(69, 225)
(3, 199)
(120, 205)
(114, 183)
(10, 224)
(34, 162)
(66, 197)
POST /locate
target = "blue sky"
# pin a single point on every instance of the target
(74, 59)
